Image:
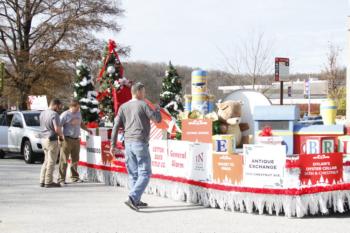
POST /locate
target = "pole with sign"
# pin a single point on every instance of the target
(281, 73)
(2, 77)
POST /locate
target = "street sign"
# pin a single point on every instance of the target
(281, 69)
(289, 91)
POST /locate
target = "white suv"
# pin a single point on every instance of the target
(20, 133)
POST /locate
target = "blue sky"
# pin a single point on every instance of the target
(189, 32)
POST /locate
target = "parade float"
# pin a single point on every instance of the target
(242, 155)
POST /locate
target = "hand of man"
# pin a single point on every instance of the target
(112, 151)
(157, 107)
(60, 139)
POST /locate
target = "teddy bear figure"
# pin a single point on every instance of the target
(229, 113)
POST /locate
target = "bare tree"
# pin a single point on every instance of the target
(336, 77)
(251, 59)
(40, 38)
(332, 72)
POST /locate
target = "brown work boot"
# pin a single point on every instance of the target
(52, 185)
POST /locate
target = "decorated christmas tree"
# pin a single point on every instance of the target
(171, 95)
(85, 93)
(111, 82)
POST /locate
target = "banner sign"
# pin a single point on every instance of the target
(159, 155)
(178, 158)
(201, 161)
(321, 168)
(228, 169)
(264, 165)
(37, 102)
(93, 150)
(197, 130)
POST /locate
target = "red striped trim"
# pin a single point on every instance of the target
(291, 192)
(120, 169)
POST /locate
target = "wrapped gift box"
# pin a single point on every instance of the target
(270, 140)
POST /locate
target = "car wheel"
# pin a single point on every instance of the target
(2, 154)
(28, 152)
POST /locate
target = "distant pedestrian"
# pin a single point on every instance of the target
(71, 122)
(135, 116)
(50, 124)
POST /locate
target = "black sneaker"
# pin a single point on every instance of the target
(142, 204)
(131, 204)
(42, 185)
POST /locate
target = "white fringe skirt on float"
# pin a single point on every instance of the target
(320, 200)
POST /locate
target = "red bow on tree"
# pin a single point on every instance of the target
(266, 132)
(92, 125)
(111, 46)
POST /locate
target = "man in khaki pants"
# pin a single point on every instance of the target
(50, 123)
(71, 121)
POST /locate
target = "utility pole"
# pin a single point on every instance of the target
(348, 74)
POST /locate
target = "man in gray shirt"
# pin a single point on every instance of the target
(71, 122)
(135, 116)
(50, 124)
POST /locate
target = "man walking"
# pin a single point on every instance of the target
(71, 122)
(135, 116)
(50, 123)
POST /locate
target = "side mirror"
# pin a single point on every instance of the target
(17, 125)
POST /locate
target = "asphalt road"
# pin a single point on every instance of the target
(95, 208)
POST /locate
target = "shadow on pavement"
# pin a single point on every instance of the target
(162, 209)
(13, 156)
(331, 214)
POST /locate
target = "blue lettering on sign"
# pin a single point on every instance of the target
(221, 145)
(328, 146)
(312, 147)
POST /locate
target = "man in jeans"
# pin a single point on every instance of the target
(135, 116)
(50, 123)
(71, 121)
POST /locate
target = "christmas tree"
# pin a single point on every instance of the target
(171, 95)
(85, 93)
(111, 80)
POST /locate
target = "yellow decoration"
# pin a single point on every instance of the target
(195, 115)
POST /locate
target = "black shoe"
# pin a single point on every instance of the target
(142, 204)
(52, 185)
(131, 204)
(77, 181)
(42, 185)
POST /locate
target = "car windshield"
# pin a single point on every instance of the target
(32, 119)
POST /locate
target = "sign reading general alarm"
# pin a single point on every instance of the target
(321, 168)
(197, 130)
(264, 165)
(179, 160)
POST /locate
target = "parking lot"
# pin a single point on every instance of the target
(93, 208)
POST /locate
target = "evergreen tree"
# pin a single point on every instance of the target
(111, 77)
(171, 95)
(85, 93)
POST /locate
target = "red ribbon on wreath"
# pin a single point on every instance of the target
(111, 50)
(102, 95)
(266, 132)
